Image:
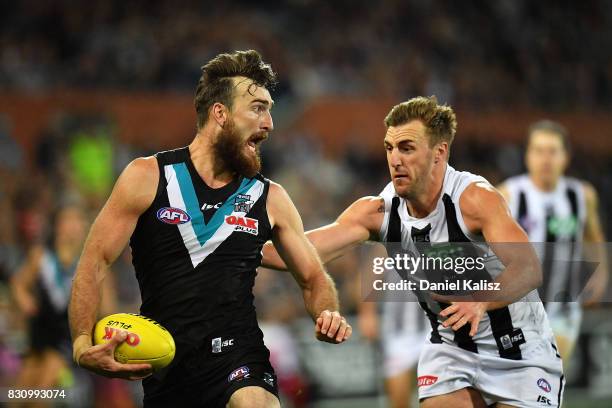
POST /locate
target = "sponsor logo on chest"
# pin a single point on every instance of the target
(243, 224)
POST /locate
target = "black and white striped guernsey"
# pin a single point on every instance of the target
(558, 219)
(502, 332)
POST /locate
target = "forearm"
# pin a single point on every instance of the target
(320, 294)
(517, 280)
(367, 309)
(85, 297)
(20, 293)
(330, 242)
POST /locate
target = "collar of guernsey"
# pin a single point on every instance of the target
(201, 238)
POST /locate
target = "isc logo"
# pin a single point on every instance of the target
(174, 216)
(544, 400)
(244, 224)
(132, 339)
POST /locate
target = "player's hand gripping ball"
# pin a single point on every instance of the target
(147, 341)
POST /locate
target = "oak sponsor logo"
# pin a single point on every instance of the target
(243, 224)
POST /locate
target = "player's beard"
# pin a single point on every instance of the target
(232, 152)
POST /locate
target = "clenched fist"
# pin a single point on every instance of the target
(331, 327)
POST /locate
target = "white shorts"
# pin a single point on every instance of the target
(565, 320)
(404, 332)
(535, 381)
(402, 353)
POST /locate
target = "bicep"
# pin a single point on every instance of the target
(485, 210)
(111, 230)
(499, 226)
(132, 195)
(503, 190)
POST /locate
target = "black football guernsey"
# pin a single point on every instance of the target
(195, 251)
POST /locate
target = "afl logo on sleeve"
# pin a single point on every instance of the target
(173, 216)
(544, 385)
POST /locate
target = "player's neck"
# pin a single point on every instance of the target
(544, 185)
(423, 204)
(208, 166)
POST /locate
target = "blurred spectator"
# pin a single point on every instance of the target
(527, 51)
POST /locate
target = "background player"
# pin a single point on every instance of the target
(196, 275)
(401, 328)
(562, 210)
(479, 353)
(41, 289)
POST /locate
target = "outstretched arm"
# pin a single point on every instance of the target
(133, 193)
(318, 290)
(360, 222)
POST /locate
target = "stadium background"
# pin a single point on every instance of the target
(84, 89)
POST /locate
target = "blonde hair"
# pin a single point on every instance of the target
(439, 120)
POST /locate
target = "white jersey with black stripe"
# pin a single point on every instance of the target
(505, 332)
(565, 222)
(554, 221)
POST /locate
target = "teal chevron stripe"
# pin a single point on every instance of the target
(190, 199)
(202, 230)
(226, 209)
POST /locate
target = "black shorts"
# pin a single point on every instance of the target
(49, 330)
(202, 381)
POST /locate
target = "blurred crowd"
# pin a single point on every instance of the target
(544, 53)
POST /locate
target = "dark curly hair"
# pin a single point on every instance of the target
(215, 84)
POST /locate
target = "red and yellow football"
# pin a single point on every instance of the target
(147, 341)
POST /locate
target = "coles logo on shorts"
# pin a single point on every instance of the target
(244, 224)
(425, 380)
(239, 373)
(543, 384)
(172, 215)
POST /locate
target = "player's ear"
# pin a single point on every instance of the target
(440, 152)
(566, 159)
(219, 113)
